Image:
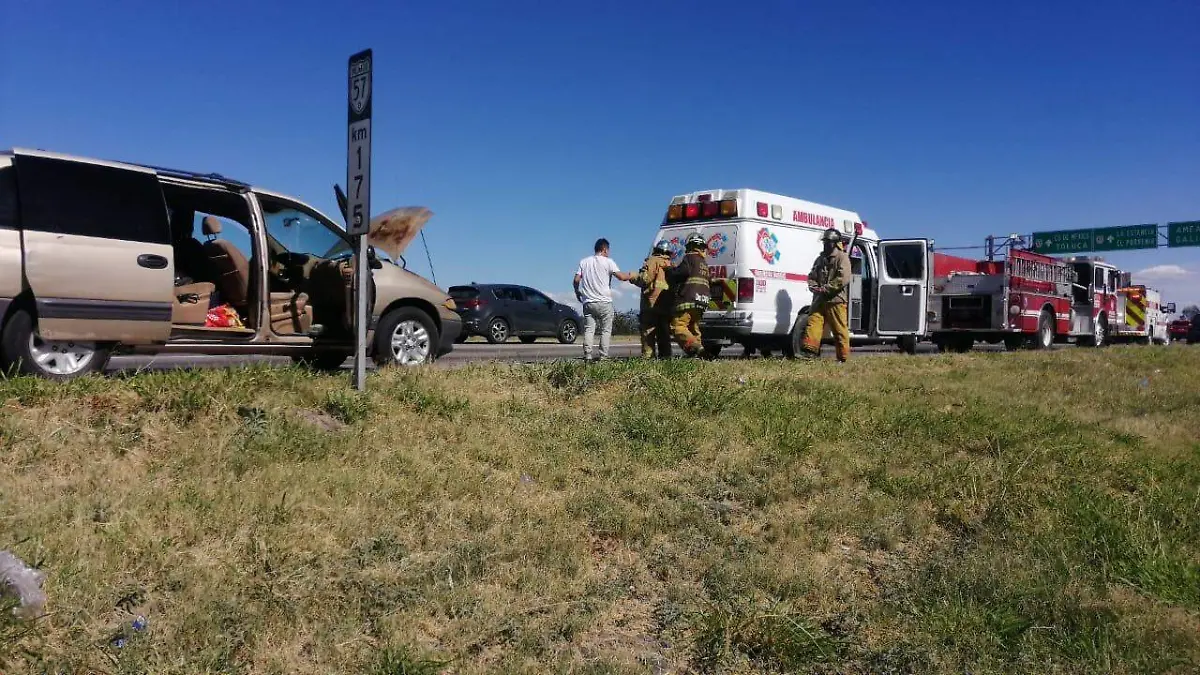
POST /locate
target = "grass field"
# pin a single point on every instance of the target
(999, 513)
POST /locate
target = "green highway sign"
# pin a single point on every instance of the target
(1062, 241)
(1183, 234)
(1123, 238)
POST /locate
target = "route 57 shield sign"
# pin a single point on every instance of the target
(360, 85)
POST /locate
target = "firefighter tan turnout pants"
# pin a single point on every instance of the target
(685, 326)
(835, 316)
(656, 332)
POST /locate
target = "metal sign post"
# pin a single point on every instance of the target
(358, 199)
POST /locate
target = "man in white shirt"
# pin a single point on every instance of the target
(593, 288)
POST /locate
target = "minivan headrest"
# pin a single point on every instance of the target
(211, 226)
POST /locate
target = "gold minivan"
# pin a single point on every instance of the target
(100, 257)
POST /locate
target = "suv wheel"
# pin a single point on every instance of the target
(497, 331)
(567, 332)
(405, 337)
(27, 353)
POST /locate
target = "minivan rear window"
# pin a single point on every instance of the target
(464, 292)
(8, 197)
(80, 198)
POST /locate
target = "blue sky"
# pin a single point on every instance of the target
(530, 129)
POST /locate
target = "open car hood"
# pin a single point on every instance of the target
(392, 231)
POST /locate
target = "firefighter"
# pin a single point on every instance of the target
(829, 282)
(655, 316)
(690, 285)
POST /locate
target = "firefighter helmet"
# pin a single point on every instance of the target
(831, 235)
(695, 241)
(662, 248)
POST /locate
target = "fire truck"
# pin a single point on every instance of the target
(1024, 299)
(1141, 316)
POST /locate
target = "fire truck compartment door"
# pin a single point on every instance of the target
(903, 296)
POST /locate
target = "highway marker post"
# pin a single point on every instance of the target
(358, 197)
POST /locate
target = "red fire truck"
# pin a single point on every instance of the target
(1022, 298)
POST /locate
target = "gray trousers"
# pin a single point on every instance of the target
(597, 315)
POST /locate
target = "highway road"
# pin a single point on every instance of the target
(463, 354)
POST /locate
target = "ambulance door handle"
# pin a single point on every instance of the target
(906, 290)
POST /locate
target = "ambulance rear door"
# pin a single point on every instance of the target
(902, 296)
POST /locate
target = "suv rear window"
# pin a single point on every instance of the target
(8, 197)
(464, 292)
(90, 200)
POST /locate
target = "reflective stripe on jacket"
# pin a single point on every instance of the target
(652, 279)
(690, 278)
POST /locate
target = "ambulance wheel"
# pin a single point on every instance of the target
(907, 344)
(712, 349)
(958, 344)
(794, 344)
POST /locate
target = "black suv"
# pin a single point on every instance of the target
(499, 311)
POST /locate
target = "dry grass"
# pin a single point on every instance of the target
(1003, 513)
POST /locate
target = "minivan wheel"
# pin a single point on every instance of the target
(567, 332)
(25, 352)
(405, 337)
(497, 331)
(324, 361)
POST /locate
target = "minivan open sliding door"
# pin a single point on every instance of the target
(903, 295)
(97, 243)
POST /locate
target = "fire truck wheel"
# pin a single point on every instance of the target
(1045, 334)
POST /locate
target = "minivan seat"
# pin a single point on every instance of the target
(232, 268)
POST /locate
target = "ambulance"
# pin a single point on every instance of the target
(761, 247)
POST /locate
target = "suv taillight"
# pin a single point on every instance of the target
(745, 290)
(472, 304)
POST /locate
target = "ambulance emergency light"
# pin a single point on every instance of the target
(703, 210)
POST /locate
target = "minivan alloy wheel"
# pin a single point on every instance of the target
(61, 357)
(410, 343)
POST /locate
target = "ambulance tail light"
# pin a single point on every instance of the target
(764, 211)
(858, 229)
(691, 211)
(729, 208)
(675, 213)
(745, 290)
(710, 209)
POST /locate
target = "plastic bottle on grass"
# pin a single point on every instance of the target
(19, 581)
